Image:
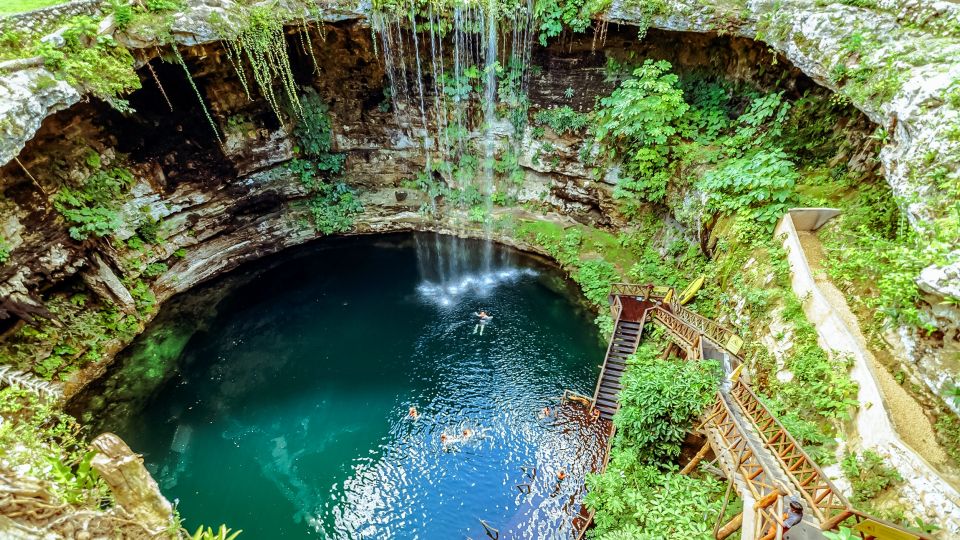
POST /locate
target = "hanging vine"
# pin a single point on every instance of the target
(306, 43)
(183, 64)
(262, 42)
(159, 86)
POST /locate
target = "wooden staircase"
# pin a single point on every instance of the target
(626, 337)
(766, 462)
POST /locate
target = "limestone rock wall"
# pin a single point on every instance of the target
(897, 63)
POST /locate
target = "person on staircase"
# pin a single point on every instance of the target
(794, 514)
(791, 518)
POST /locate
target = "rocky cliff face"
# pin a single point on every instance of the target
(217, 206)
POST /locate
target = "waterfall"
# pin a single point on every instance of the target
(470, 43)
(489, 117)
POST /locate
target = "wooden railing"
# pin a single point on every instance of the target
(826, 501)
(721, 335)
(687, 336)
(764, 490)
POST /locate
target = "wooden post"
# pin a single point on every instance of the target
(731, 527)
(696, 459)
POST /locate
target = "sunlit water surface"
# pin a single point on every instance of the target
(284, 409)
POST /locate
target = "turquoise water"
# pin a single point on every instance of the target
(284, 412)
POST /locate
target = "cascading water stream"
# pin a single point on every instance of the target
(489, 117)
(447, 130)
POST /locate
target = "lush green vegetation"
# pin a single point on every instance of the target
(92, 207)
(869, 475)
(661, 128)
(636, 124)
(38, 434)
(4, 250)
(659, 400)
(641, 495)
(19, 6)
(261, 41)
(562, 120)
(555, 16)
(333, 204)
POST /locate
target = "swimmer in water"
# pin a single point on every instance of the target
(413, 415)
(561, 476)
(467, 433)
(594, 414)
(546, 412)
(483, 319)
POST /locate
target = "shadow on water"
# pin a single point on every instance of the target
(276, 399)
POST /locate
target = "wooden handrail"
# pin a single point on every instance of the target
(826, 501)
(792, 457)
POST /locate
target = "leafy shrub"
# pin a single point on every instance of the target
(149, 230)
(313, 130)
(50, 442)
(93, 207)
(595, 277)
(868, 474)
(637, 501)
(223, 533)
(555, 15)
(334, 207)
(761, 183)
(562, 119)
(637, 124)
(155, 269)
(659, 400)
(90, 61)
(4, 250)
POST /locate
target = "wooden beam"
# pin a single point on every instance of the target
(731, 527)
(696, 459)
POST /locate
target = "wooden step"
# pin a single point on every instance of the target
(608, 396)
(607, 408)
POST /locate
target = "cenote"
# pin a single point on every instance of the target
(276, 398)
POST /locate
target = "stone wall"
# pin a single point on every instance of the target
(43, 19)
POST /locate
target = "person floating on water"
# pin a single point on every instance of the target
(413, 415)
(561, 476)
(483, 319)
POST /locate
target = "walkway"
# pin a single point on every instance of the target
(765, 463)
